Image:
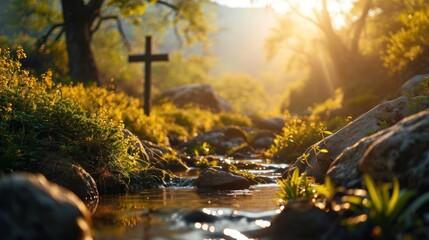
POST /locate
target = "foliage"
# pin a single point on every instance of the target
(388, 211)
(182, 70)
(22, 24)
(378, 43)
(116, 73)
(233, 119)
(31, 19)
(424, 86)
(37, 124)
(244, 93)
(385, 208)
(298, 134)
(192, 119)
(120, 108)
(31, 16)
(202, 149)
(244, 173)
(406, 44)
(330, 104)
(296, 187)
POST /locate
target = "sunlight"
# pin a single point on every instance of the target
(306, 7)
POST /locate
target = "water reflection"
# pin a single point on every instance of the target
(159, 213)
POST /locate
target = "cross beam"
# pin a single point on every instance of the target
(147, 58)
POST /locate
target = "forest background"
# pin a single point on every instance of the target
(347, 56)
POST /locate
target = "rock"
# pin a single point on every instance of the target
(111, 183)
(163, 157)
(33, 208)
(301, 221)
(241, 152)
(221, 140)
(72, 177)
(212, 179)
(275, 124)
(151, 178)
(413, 86)
(378, 118)
(263, 139)
(400, 151)
(201, 95)
(263, 142)
(199, 216)
(344, 169)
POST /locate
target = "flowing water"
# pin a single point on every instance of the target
(183, 213)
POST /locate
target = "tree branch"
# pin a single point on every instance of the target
(360, 23)
(160, 2)
(59, 35)
(101, 19)
(92, 10)
(43, 39)
(295, 10)
(326, 18)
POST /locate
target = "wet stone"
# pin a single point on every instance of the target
(212, 179)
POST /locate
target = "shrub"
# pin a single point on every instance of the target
(298, 134)
(120, 108)
(37, 123)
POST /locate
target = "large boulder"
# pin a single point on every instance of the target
(201, 95)
(212, 179)
(378, 118)
(72, 177)
(400, 151)
(33, 208)
(413, 86)
(344, 169)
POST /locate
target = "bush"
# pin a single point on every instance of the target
(298, 134)
(119, 107)
(37, 123)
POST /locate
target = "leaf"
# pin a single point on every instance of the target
(327, 132)
(419, 202)
(323, 150)
(355, 200)
(394, 198)
(295, 175)
(373, 193)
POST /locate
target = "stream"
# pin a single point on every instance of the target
(180, 212)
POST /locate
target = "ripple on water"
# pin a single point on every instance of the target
(159, 213)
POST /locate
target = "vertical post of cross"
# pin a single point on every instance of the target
(147, 58)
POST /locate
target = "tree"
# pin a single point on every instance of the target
(82, 18)
(380, 43)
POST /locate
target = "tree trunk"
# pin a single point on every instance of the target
(77, 26)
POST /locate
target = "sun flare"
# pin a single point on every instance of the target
(305, 7)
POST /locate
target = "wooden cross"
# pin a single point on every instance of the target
(147, 58)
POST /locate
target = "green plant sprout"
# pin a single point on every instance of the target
(385, 207)
(317, 148)
(296, 187)
(327, 189)
(203, 149)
